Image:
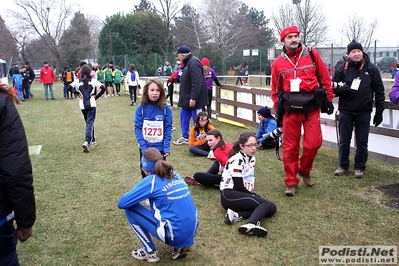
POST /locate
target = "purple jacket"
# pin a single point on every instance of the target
(394, 94)
(210, 78)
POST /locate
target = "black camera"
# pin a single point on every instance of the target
(272, 135)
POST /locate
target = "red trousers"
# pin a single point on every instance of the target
(312, 140)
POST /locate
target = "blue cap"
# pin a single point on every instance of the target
(183, 50)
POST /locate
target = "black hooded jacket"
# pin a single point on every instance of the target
(371, 87)
(16, 189)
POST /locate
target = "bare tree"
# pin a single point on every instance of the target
(47, 19)
(356, 28)
(309, 18)
(189, 29)
(228, 26)
(168, 10)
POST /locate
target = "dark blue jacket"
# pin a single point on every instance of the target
(192, 84)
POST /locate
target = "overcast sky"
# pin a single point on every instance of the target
(337, 11)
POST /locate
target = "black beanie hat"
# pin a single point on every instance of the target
(265, 112)
(354, 45)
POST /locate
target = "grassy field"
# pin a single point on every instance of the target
(78, 222)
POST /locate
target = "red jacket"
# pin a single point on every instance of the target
(283, 72)
(47, 75)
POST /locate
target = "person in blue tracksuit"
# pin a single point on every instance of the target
(153, 120)
(172, 217)
(267, 124)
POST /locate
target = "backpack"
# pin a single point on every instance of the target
(133, 76)
(68, 76)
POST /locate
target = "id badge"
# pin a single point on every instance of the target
(294, 84)
(356, 84)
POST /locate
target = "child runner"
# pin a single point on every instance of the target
(220, 150)
(238, 181)
(153, 120)
(172, 217)
(87, 92)
(197, 139)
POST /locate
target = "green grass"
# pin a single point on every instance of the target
(78, 222)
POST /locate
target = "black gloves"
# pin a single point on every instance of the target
(377, 120)
(330, 107)
(342, 91)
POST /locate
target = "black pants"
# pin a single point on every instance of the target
(133, 93)
(170, 93)
(247, 205)
(211, 178)
(239, 80)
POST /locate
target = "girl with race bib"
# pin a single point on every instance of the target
(236, 187)
(153, 120)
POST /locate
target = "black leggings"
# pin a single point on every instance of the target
(211, 178)
(133, 93)
(247, 205)
(170, 93)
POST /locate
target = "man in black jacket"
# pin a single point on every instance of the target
(16, 189)
(360, 83)
(28, 77)
(193, 94)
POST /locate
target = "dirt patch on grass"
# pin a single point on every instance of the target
(385, 195)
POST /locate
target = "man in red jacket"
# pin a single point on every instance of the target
(295, 73)
(47, 78)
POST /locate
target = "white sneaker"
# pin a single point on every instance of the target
(93, 144)
(141, 254)
(253, 230)
(173, 128)
(180, 141)
(231, 217)
(85, 146)
(210, 155)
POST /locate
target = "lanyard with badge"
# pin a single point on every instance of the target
(295, 82)
(356, 83)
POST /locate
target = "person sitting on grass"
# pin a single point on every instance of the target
(197, 138)
(220, 150)
(267, 124)
(172, 217)
(238, 181)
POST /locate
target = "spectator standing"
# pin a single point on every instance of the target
(395, 71)
(13, 70)
(132, 80)
(160, 70)
(289, 75)
(100, 75)
(67, 78)
(47, 78)
(210, 77)
(28, 77)
(16, 191)
(174, 78)
(237, 72)
(17, 80)
(394, 94)
(177, 66)
(193, 95)
(172, 217)
(268, 73)
(167, 69)
(362, 84)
